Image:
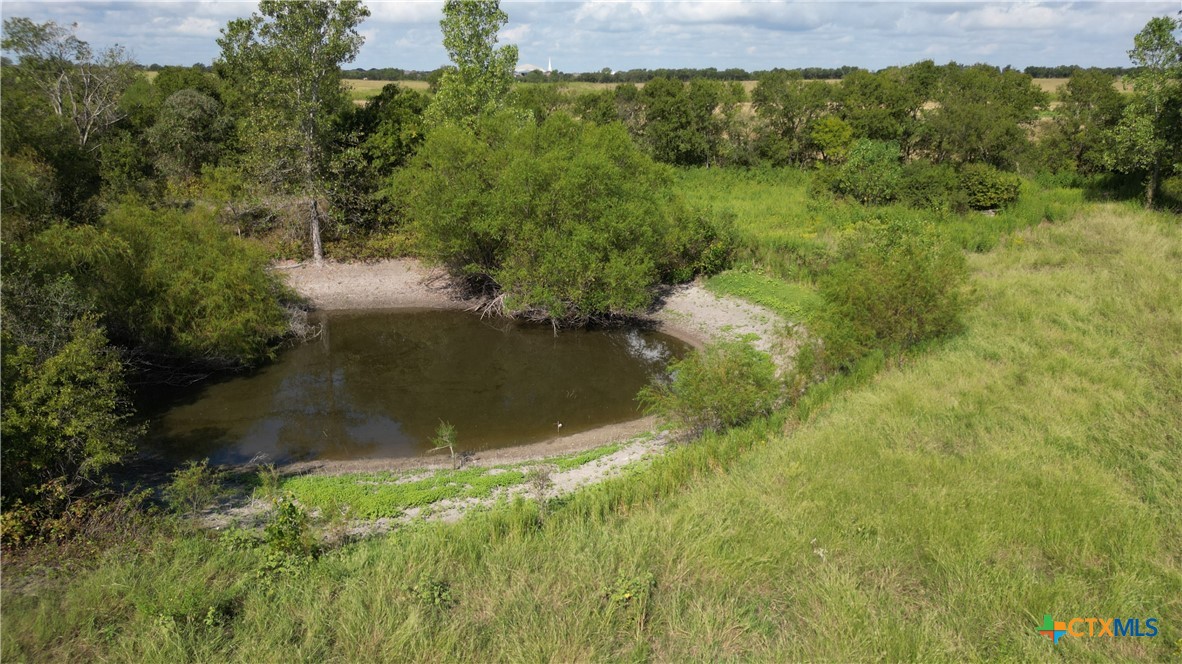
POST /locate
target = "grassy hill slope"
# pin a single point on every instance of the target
(1031, 465)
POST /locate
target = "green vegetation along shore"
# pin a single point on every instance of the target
(935, 511)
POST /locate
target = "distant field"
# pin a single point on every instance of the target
(360, 90)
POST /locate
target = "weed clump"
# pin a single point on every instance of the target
(896, 285)
(724, 385)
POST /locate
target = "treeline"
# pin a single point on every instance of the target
(686, 74)
(924, 122)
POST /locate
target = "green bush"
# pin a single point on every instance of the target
(928, 186)
(723, 385)
(66, 415)
(988, 188)
(173, 283)
(1171, 192)
(897, 284)
(193, 487)
(288, 533)
(872, 174)
(698, 242)
(565, 221)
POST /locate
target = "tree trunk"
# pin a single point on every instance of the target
(1151, 186)
(317, 249)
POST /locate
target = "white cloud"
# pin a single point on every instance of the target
(514, 34)
(586, 36)
(403, 12)
(202, 27)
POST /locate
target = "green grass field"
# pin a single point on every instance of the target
(934, 511)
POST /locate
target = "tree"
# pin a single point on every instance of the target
(283, 66)
(562, 221)
(982, 115)
(672, 125)
(483, 73)
(188, 133)
(787, 106)
(1091, 107)
(1149, 133)
(83, 88)
(887, 105)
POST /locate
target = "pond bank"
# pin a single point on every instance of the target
(688, 312)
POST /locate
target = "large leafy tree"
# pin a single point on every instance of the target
(1148, 138)
(982, 115)
(1091, 107)
(483, 72)
(284, 69)
(564, 221)
(787, 106)
(888, 105)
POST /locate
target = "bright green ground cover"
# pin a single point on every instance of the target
(935, 512)
(388, 494)
(373, 495)
(792, 301)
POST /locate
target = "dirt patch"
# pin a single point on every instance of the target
(402, 283)
(694, 314)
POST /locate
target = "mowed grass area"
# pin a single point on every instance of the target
(935, 512)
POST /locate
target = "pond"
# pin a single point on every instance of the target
(376, 384)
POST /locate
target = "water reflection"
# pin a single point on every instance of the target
(376, 384)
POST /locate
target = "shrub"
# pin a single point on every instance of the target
(173, 283)
(724, 385)
(288, 534)
(698, 243)
(872, 174)
(988, 188)
(193, 487)
(1171, 192)
(897, 284)
(930, 186)
(66, 415)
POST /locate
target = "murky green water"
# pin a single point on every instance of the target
(377, 384)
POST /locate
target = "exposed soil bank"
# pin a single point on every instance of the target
(402, 283)
(688, 312)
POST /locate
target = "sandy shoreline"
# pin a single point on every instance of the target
(688, 312)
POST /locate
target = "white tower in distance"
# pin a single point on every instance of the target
(548, 67)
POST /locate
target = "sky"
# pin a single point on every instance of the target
(589, 36)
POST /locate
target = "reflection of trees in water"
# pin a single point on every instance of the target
(379, 384)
